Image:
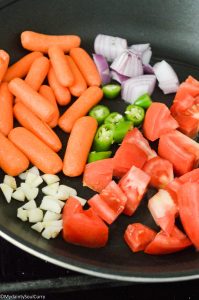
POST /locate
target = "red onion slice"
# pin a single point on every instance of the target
(109, 46)
(118, 77)
(133, 88)
(166, 76)
(148, 69)
(128, 63)
(144, 52)
(103, 68)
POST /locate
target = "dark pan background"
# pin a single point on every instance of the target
(172, 29)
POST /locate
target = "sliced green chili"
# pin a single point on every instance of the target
(114, 118)
(100, 113)
(121, 130)
(144, 101)
(94, 156)
(135, 114)
(103, 138)
(111, 91)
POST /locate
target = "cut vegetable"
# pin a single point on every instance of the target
(35, 215)
(64, 192)
(29, 191)
(50, 178)
(22, 214)
(143, 51)
(103, 138)
(103, 68)
(121, 130)
(81, 200)
(51, 189)
(144, 101)
(33, 180)
(38, 227)
(51, 216)
(51, 204)
(19, 195)
(11, 181)
(29, 205)
(7, 191)
(100, 113)
(111, 91)
(94, 156)
(135, 114)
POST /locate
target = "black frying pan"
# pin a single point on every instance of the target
(172, 29)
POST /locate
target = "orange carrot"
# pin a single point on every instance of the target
(86, 65)
(41, 107)
(60, 65)
(42, 130)
(4, 62)
(37, 73)
(12, 160)
(6, 110)
(35, 41)
(62, 93)
(22, 66)
(80, 107)
(75, 158)
(79, 85)
(40, 155)
(47, 93)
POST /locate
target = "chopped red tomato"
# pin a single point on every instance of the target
(85, 228)
(126, 156)
(173, 188)
(72, 206)
(160, 170)
(165, 244)
(163, 210)
(135, 137)
(158, 121)
(98, 174)
(134, 185)
(187, 125)
(172, 150)
(138, 236)
(189, 210)
(110, 203)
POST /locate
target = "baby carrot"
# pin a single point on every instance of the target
(37, 73)
(61, 92)
(6, 110)
(12, 160)
(22, 66)
(42, 130)
(33, 100)
(60, 65)
(80, 107)
(4, 62)
(35, 41)
(79, 85)
(40, 155)
(86, 65)
(47, 93)
(75, 158)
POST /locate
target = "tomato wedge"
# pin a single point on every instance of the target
(83, 227)
(138, 236)
(134, 185)
(110, 203)
(126, 156)
(187, 125)
(158, 121)
(160, 170)
(163, 210)
(189, 210)
(165, 244)
(98, 174)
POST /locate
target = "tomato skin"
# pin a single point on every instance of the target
(165, 244)
(134, 185)
(189, 210)
(98, 174)
(126, 156)
(160, 170)
(110, 203)
(187, 125)
(163, 210)
(138, 236)
(85, 229)
(158, 121)
(72, 206)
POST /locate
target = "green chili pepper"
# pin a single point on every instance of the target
(93, 156)
(111, 91)
(100, 113)
(114, 118)
(121, 130)
(135, 114)
(144, 101)
(103, 138)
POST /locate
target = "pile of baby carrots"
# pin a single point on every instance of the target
(69, 71)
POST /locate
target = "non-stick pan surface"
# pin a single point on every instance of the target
(172, 29)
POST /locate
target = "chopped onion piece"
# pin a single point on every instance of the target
(51, 190)
(19, 195)
(35, 215)
(23, 176)
(118, 77)
(109, 46)
(81, 200)
(29, 191)
(38, 226)
(22, 214)
(29, 205)
(50, 179)
(51, 216)
(51, 232)
(55, 223)
(166, 76)
(7, 191)
(133, 88)
(34, 170)
(51, 203)
(128, 64)
(103, 68)
(143, 51)
(33, 179)
(11, 181)
(148, 69)
(64, 192)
